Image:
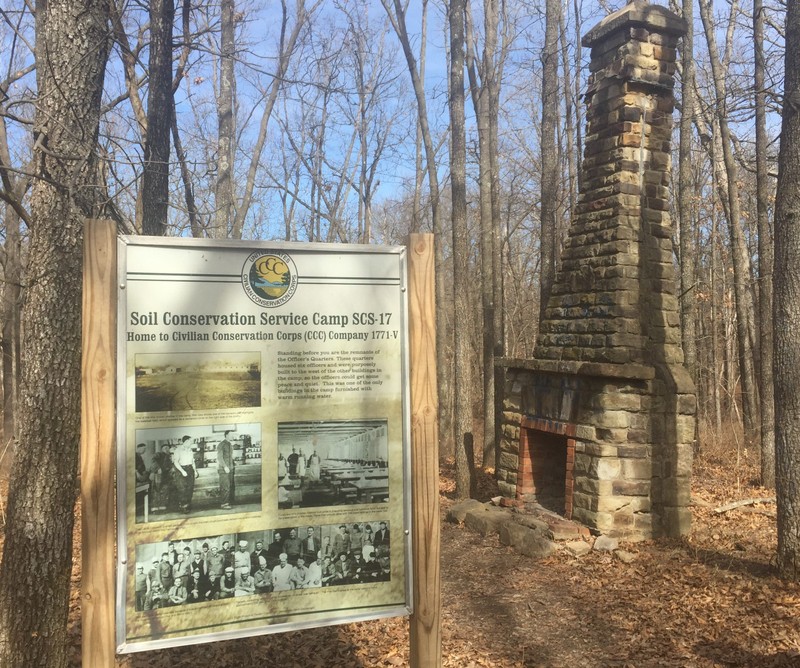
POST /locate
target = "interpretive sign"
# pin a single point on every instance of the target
(263, 426)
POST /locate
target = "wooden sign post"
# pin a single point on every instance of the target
(98, 438)
(425, 623)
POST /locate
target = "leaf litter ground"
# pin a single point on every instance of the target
(710, 599)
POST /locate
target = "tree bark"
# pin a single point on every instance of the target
(481, 86)
(155, 178)
(686, 196)
(72, 39)
(549, 177)
(766, 390)
(787, 309)
(223, 188)
(461, 272)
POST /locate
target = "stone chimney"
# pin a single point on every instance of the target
(613, 299)
(606, 405)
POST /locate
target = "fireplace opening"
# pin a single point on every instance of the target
(547, 456)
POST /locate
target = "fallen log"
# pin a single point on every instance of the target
(744, 502)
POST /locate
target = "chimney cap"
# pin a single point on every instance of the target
(640, 14)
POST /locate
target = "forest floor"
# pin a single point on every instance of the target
(710, 599)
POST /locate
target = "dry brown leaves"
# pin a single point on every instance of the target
(711, 599)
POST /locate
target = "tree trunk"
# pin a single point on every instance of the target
(72, 39)
(481, 92)
(461, 272)
(444, 372)
(11, 339)
(497, 62)
(186, 177)
(766, 390)
(498, 286)
(787, 309)
(363, 141)
(686, 196)
(549, 177)
(188, 189)
(223, 190)
(716, 372)
(155, 178)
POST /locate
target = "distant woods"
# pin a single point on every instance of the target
(363, 120)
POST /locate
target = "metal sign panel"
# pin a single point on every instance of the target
(263, 425)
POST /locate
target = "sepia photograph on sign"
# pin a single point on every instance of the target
(332, 463)
(180, 572)
(197, 381)
(197, 471)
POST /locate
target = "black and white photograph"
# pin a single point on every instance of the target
(212, 568)
(331, 463)
(197, 381)
(197, 471)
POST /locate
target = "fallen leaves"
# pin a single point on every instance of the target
(709, 600)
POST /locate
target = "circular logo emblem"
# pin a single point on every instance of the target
(269, 279)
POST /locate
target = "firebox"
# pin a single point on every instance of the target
(546, 464)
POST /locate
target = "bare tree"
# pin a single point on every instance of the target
(686, 195)
(787, 309)
(396, 13)
(741, 260)
(223, 191)
(766, 388)
(419, 171)
(289, 34)
(72, 44)
(155, 177)
(13, 187)
(485, 77)
(549, 179)
(481, 88)
(180, 153)
(570, 102)
(461, 253)
(317, 130)
(11, 295)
